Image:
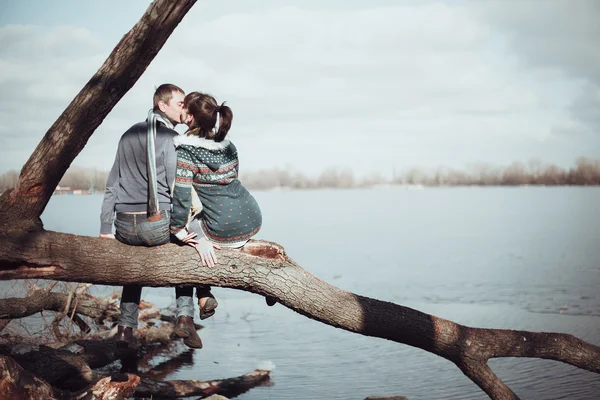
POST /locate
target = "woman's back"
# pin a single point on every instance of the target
(230, 214)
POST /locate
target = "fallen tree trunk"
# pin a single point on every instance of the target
(265, 269)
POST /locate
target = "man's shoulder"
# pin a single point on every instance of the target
(142, 128)
(136, 129)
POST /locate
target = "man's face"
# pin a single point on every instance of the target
(173, 108)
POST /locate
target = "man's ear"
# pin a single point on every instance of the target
(162, 106)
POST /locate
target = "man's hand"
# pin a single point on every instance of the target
(206, 250)
(107, 235)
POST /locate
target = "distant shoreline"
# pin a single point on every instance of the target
(81, 192)
(585, 172)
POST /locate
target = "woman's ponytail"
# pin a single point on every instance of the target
(224, 118)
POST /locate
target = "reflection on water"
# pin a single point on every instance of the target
(518, 258)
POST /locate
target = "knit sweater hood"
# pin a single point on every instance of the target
(196, 141)
(213, 154)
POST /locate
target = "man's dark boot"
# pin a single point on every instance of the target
(184, 328)
(124, 337)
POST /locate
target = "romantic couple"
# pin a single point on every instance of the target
(164, 185)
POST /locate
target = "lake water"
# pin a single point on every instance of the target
(516, 258)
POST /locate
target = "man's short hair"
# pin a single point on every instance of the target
(164, 93)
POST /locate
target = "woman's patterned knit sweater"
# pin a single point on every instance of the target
(229, 212)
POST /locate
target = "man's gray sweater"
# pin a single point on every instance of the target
(127, 185)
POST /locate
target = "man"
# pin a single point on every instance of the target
(127, 196)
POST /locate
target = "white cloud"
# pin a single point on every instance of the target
(424, 84)
(560, 40)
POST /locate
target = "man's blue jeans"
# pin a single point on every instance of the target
(136, 230)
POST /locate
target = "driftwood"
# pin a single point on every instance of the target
(17, 383)
(228, 387)
(87, 368)
(68, 372)
(72, 366)
(74, 304)
(28, 251)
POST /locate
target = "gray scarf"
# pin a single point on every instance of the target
(153, 206)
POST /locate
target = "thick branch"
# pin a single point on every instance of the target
(489, 382)
(552, 346)
(264, 268)
(41, 300)
(71, 131)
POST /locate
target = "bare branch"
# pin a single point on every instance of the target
(69, 134)
(41, 300)
(489, 382)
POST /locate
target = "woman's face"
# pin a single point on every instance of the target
(186, 117)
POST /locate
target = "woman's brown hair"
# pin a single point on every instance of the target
(205, 109)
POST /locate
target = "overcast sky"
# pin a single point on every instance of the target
(371, 85)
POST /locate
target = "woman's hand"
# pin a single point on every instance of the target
(189, 238)
(206, 250)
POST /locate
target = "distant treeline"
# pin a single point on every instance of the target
(75, 178)
(585, 172)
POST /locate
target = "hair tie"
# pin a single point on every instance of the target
(217, 123)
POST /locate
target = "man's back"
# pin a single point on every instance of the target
(127, 185)
(133, 181)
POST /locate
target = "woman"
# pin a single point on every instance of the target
(207, 165)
